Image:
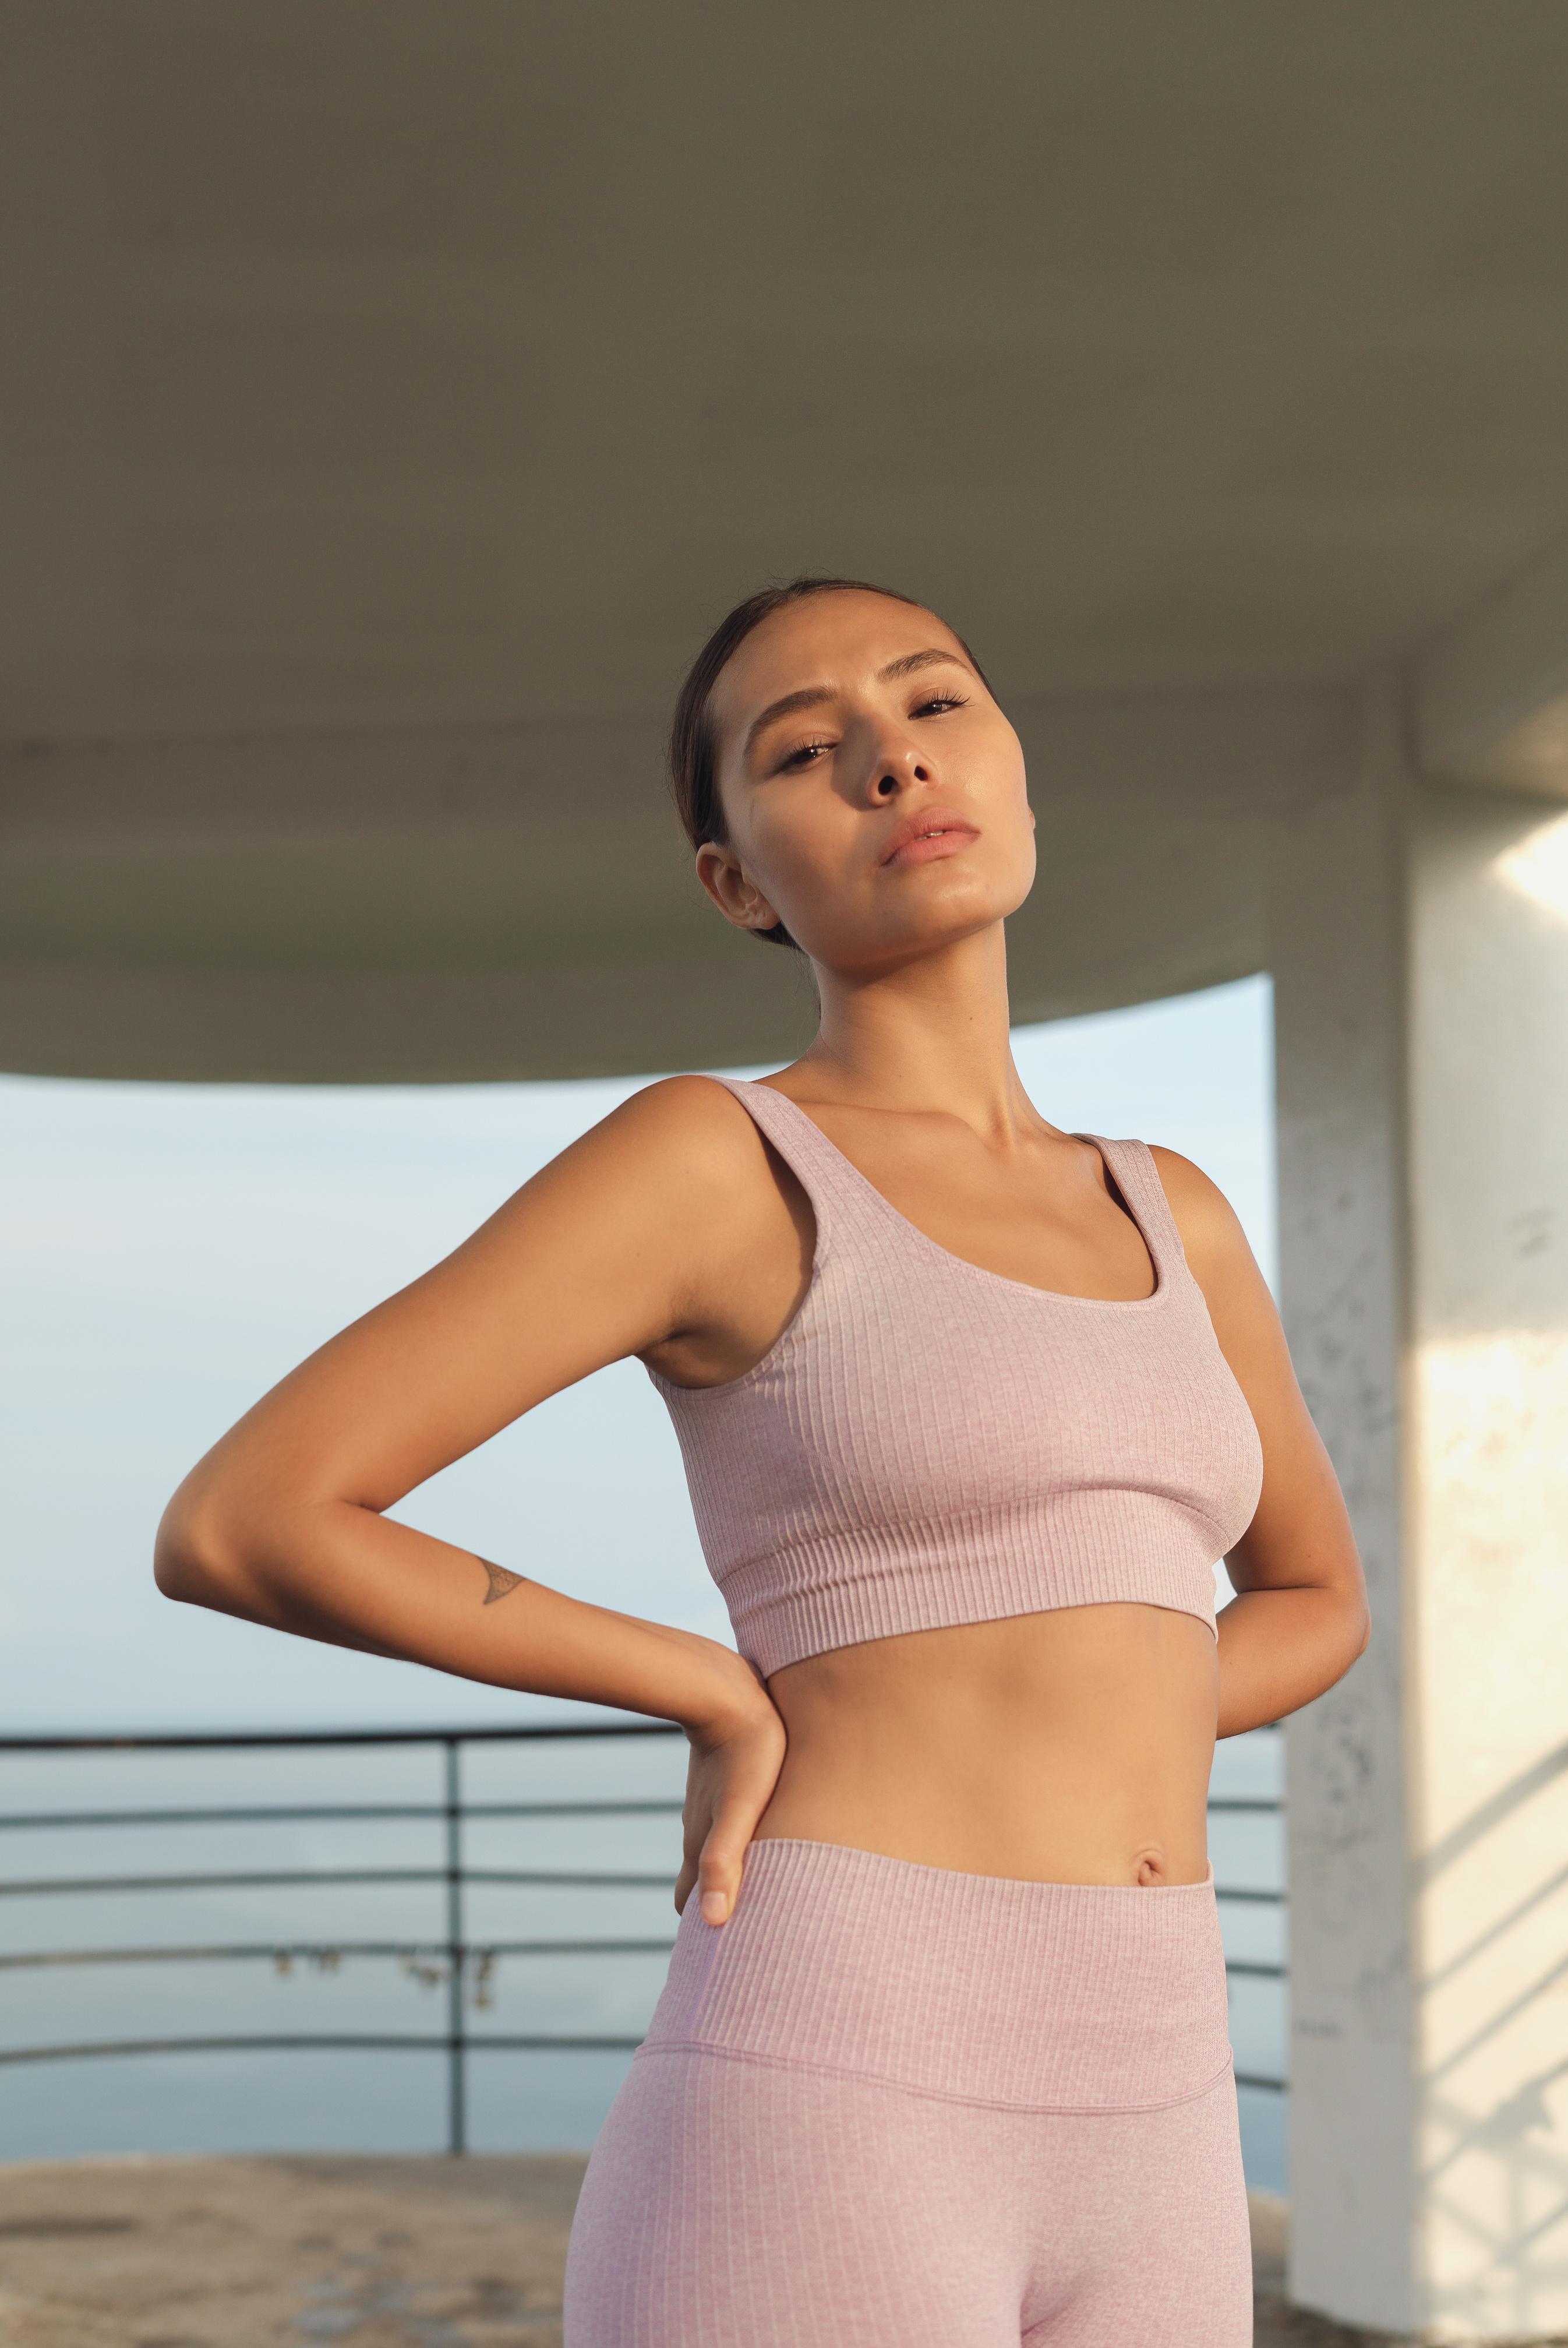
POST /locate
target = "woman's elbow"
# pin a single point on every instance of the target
(193, 1561)
(1357, 1630)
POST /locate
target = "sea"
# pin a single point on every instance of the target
(361, 1960)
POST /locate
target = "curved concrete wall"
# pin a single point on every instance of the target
(510, 903)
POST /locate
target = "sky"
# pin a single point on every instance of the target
(168, 1251)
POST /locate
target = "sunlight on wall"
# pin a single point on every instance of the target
(1493, 1415)
(1538, 866)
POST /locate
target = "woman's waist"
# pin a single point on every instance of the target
(1128, 1832)
(1034, 1994)
(1056, 1749)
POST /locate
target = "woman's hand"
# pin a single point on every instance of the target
(730, 1779)
(1299, 1619)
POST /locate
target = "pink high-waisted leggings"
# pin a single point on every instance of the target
(890, 2106)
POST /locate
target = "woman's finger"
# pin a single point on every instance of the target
(723, 1855)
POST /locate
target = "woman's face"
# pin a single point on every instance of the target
(875, 792)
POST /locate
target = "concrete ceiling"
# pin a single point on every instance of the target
(395, 393)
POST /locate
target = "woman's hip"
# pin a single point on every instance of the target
(980, 1989)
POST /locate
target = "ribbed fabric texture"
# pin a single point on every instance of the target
(1074, 1997)
(889, 2104)
(930, 1443)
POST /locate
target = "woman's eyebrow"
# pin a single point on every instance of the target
(909, 662)
(812, 697)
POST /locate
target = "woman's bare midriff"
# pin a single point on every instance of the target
(1067, 1747)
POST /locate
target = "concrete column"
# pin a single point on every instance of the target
(1419, 945)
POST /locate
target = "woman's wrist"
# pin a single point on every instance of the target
(733, 1700)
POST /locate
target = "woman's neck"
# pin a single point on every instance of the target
(933, 1035)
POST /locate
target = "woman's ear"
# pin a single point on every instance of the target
(739, 900)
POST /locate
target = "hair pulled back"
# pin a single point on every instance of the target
(693, 765)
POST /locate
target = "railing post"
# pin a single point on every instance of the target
(456, 1955)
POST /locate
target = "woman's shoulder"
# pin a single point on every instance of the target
(660, 1205)
(1187, 1187)
(1212, 1237)
(686, 1131)
(690, 1108)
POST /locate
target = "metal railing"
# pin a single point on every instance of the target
(451, 1959)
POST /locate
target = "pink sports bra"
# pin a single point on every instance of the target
(928, 1443)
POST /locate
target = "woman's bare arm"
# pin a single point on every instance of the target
(1299, 1618)
(659, 1232)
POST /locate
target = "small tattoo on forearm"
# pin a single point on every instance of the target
(500, 1581)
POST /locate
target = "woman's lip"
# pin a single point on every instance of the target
(925, 846)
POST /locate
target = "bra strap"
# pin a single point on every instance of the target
(1138, 1179)
(838, 1193)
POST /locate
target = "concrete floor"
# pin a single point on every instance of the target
(378, 2252)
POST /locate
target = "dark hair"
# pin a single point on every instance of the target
(693, 773)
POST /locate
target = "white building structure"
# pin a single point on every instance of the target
(396, 392)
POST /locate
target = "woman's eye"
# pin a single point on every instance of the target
(938, 702)
(806, 754)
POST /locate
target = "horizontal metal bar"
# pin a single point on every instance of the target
(216, 1818)
(336, 1810)
(1267, 1803)
(301, 2039)
(41, 1886)
(381, 2041)
(181, 1740)
(169, 1741)
(282, 1813)
(45, 1884)
(307, 1951)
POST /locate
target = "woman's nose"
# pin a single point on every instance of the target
(894, 773)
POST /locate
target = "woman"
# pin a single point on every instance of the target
(968, 1406)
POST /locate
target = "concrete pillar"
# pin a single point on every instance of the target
(1419, 946)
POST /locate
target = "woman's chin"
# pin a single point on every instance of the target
(933, 930)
